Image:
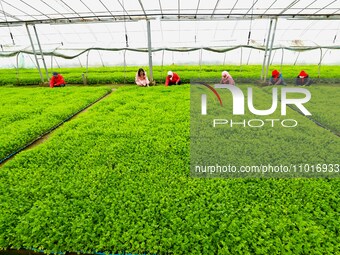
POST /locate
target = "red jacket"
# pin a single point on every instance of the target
(57, 81)
(175, 78)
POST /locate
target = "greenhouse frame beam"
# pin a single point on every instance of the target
(149, 50)
(6, 14)
(141, 5)
(307, 6)
(30, 6)
(325, 7)
(254, 3)
(72, 10)
(107, 9)
(270, 7)
(160, 8)
(34, 52)
(90, 10)
(41, 52)
(289, 6)
(179, 9)
(59, 13)
(213, 12)
(198, 4)
(19, 10)
(169, 17)
(266, 50)
(270, 50)
(338, 10)
(124, 10)
(232, 9)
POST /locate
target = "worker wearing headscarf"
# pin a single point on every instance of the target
(303, 79)
(227, 79)
(172, 79)
(276, 78)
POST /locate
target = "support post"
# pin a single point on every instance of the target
(266, 49)
(282, 55)
(149, 50)
(17, 61)
(35, 54)
(241, 59)
(87, 68)
(200, 59)
(124, 55)
(270, 50)
(162, 60)
(319, 65)
(41, 52)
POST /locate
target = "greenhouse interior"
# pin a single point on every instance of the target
(139, 148)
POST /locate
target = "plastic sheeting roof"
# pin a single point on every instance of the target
(14, 11)
(67, 28)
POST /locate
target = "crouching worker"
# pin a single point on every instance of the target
(227, 79)
(276, 78)
(303, 79)
(141, 78)
(57, 80)
(172, 79)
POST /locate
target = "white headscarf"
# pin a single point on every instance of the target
(225, 73)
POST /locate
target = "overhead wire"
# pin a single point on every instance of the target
(107, 9)
(231, 10)
(74, 12)
(325, 7)
(20, 10)
(35, 9)
(94, 14)
(198, 4)
(269, 7)
(62, 6)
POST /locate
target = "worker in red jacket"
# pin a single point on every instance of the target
(57, 80)
(172, 79)
(303, 79)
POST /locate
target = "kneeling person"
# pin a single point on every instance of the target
(303, 79)
(172, 79)
(57, 80)
(276, 78)
(141, 78)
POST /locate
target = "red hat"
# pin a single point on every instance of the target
(303, 74)
(275, 73)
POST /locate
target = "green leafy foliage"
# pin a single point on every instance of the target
(26, 113)
(126, 75)
(324, 106)
(116, 179)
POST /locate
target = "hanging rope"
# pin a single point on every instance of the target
(9, 28)
(336, 33)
